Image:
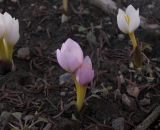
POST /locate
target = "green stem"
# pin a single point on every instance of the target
(65, 6)
(133, 39)
(137, 57)
(6, 50)
(81, 92)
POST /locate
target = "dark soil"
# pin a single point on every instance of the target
(33, 88)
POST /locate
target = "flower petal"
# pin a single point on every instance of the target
(134, 21)
(87, 61)
(2, 30)
(61, 60)
(13, 34)
(130, 10)
(122, 23)
(84, 75)
(11, 28)
(73, 55)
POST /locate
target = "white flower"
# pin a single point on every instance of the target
(11, 26)
(2, 30)
(128, 21)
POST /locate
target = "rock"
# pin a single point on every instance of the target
(42, 7)
(118, 124)
(65, 78)
(39, 28)
(23, 53)
(145, 101)
(62, 94)
(121, 37)
(64, 18)
(151, 6)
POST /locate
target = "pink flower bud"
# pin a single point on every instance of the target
(85, 73)
(70, 56)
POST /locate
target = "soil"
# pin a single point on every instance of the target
(33, 89)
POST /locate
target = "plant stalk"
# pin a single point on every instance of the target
(81, 92)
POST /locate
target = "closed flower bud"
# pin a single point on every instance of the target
(85, 73)
(70, 56)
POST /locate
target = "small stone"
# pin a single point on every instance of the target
(150, 6)
(145, 101)
(23, 53)
(42, 7)
(121, 37)
(64, 18)
(55, 7)
(39, 28)
(62, 94)
(118, 124)
(32, 4)
(65, 78)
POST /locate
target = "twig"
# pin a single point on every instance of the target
(149, 120)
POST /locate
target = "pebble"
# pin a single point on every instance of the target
(150, 6)
(42, 7)
(23, 53)
(65, 78)
(145, 101)
(118, 124)
(121, 36)
(63, 94)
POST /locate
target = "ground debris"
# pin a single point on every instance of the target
(118, 124)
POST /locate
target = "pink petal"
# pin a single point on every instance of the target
(85, 73)
(72, 54)
(61, 60)
(87, 61)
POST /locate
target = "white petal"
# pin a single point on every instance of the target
(122, 23)
(13, 34)
(130, 10)
(2, 28)
(8, 21)
(134, 21)
(11, 28)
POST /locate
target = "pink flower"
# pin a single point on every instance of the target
(70, 56)
(85, 73)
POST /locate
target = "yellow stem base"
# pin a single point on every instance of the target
(81, 93)
(137, 57)
(133, 39)
(65, 6)
(6, 50)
